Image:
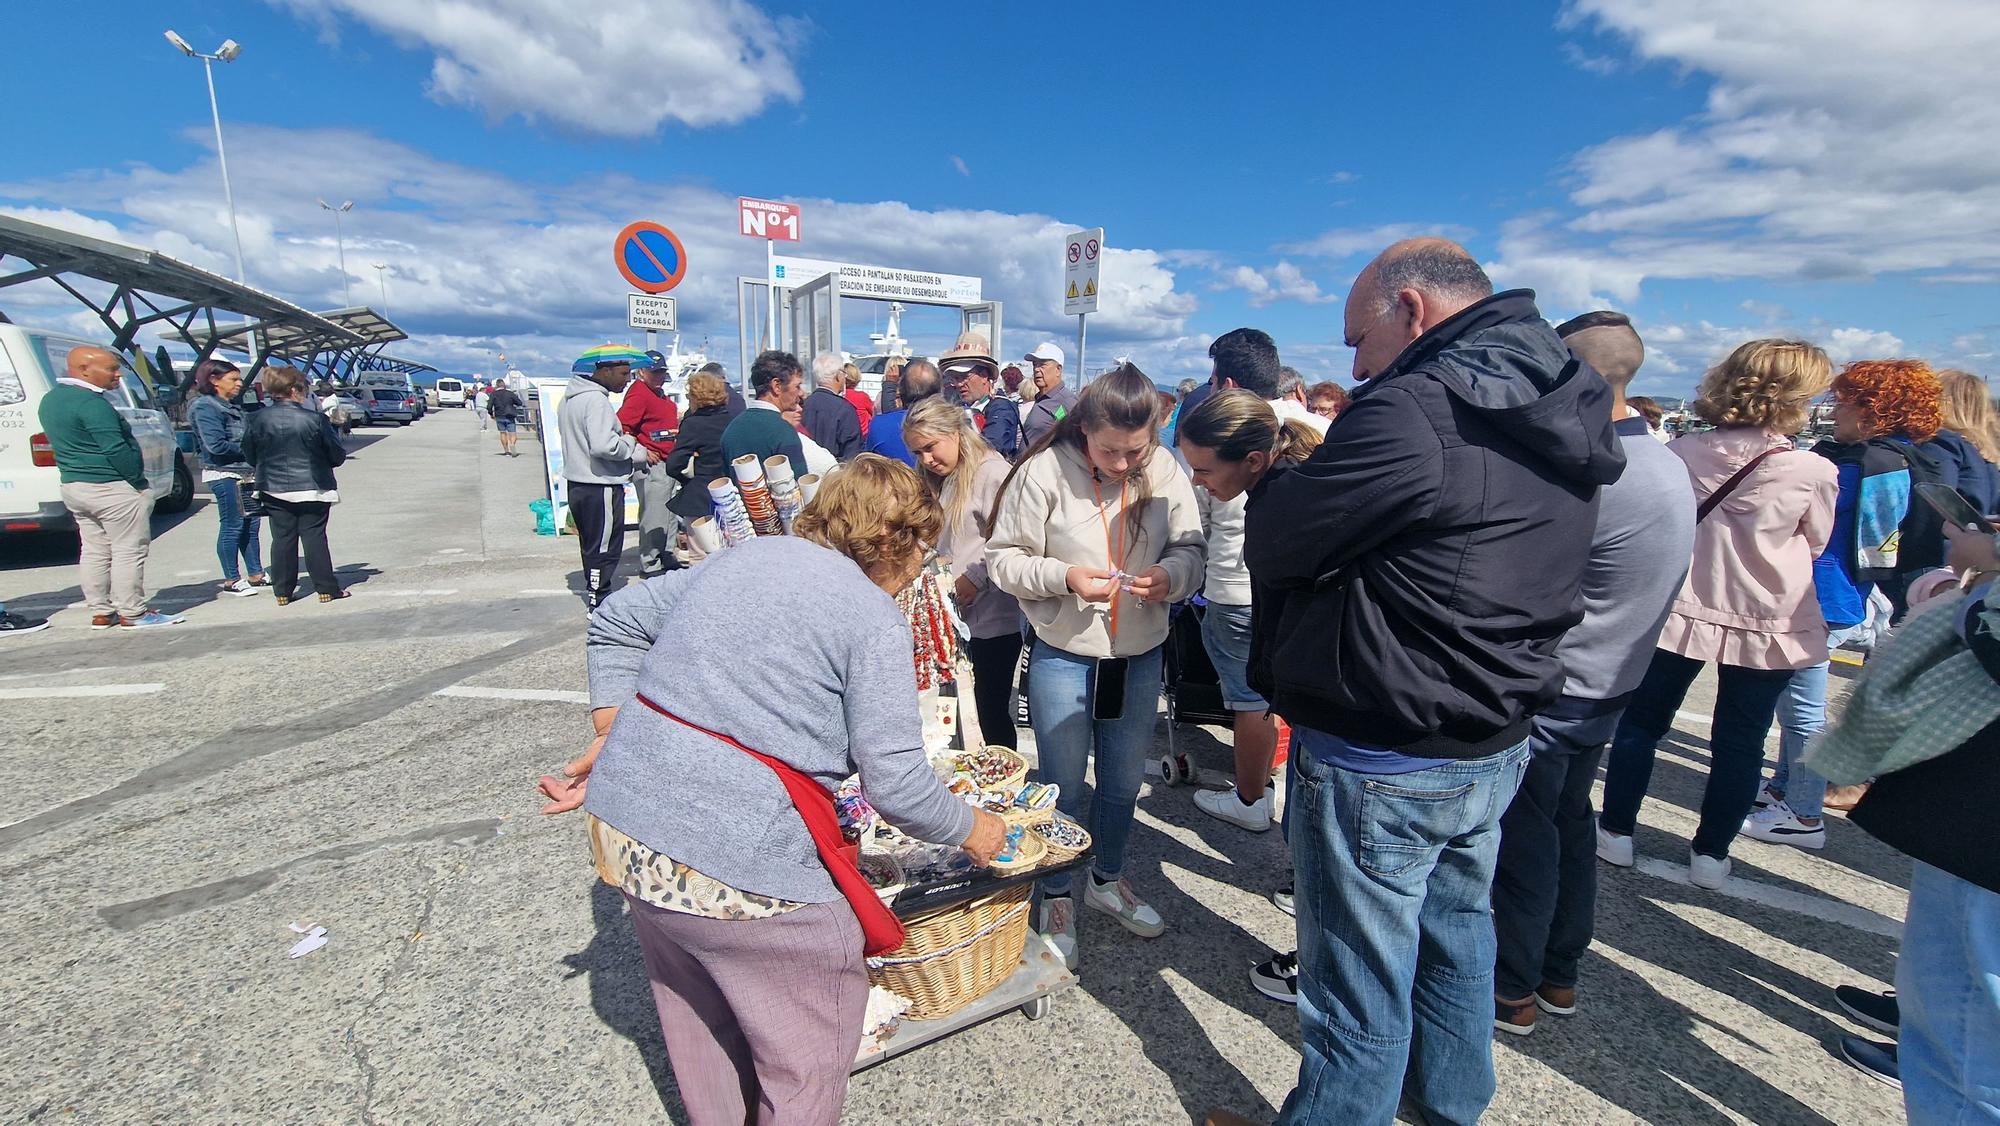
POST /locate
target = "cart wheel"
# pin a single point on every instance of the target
(1036, 1009)
(1169, 772)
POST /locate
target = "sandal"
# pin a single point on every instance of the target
(345, 593)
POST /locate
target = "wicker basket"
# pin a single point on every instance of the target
(1028, 854)
(1014, 777)
(1060, 854)
(953, 957)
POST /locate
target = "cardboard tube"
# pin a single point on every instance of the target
(808, 485)
(748, 469)
(778, 471)
(720, 490)
(705, 534)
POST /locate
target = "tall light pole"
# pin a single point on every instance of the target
(382, 280)
(340, 240)
(225, 53)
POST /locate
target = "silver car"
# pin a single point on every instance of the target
(387, 404)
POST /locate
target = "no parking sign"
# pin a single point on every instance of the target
(650, 256)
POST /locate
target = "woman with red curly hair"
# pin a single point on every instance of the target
(1881, 409)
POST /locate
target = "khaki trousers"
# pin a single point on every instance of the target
(115, 522)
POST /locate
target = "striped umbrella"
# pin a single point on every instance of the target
(607, 354)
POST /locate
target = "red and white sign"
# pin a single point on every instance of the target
(762, 218)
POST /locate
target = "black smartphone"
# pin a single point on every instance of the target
(1107, 699)
(1953, 507)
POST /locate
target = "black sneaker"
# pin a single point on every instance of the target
(1277, 977)
(1875, 1060)
(1869, 1009)
(13, 625)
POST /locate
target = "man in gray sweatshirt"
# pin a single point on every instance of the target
(1545, 887)
(598, 460)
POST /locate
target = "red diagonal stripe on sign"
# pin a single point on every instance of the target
(640, 242)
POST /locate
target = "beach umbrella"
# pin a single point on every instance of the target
(607, 354)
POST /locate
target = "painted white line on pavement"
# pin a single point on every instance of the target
(451, 551)
(189, 574)
(418, 592)
(1784, 899)
(547, 591)
(540, 695)
(71, 691)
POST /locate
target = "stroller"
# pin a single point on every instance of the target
(1194, 695)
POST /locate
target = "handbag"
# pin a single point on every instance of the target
(881, 930)
(249, 501)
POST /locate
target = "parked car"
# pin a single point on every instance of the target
(388, 404)
(30, 484)
(344, 410)
(450, 392)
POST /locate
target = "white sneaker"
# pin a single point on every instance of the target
(1777, 824)
(1227, 805)
(1058, 922)
(1766, 797)
(1118, 901)
(241, 588)
(1707, 871)
(1282, 900)
(1613, 848)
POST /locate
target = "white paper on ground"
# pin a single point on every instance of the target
(315, 937)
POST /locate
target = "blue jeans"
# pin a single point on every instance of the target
(1395, 938)
(1225, 635)
(1059, 693)
(1745, 701)
(1948, 985)
(1802, 715)
(237, 535)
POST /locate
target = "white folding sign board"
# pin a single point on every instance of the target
(652, 312)
(1083, 254)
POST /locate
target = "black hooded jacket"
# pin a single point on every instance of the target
(1429, 554)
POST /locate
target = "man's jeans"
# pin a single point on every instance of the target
(1066, 737)
(1545, 890)
(1395, 938)
(659, 526)
(1948, 983)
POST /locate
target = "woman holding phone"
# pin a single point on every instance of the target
(1095, 531)
(1880, 409)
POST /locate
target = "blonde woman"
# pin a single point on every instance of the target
(965, 474)
(1096, 532)
(1967, 448)
(1764, 513)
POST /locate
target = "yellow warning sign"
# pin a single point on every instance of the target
(1089, 288)
(1072, 291)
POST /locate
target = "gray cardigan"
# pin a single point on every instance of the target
(786, 647)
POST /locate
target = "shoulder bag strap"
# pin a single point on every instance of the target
(1729, 486)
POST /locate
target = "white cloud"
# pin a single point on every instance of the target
(1677, 353)
(1345, 242)
(480, 261)
(1840, 139)
(1282, 282)
(958, 162)
(613, 67)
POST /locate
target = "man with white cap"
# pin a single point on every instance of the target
(1053, 399)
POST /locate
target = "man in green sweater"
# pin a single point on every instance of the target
(778, 382)
(104, 487)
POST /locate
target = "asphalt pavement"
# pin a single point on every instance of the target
(185, 795)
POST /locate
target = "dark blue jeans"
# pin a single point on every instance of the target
(1396, 938)
(1067, 740)
(1545, 890)
(1746, 701)
(237, 535)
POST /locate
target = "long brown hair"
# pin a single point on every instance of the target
(1123, 398)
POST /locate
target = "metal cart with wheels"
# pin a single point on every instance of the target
(1028, 989)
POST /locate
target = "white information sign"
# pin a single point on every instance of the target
(652, 312)
(1083, 254)
(876, 281)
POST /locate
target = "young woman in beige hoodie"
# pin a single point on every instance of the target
(1096, 532)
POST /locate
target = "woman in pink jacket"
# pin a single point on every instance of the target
(1765, 513)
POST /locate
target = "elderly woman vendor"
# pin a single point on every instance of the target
(708, 686)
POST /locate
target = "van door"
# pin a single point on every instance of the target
(25, 488)
(151, 426)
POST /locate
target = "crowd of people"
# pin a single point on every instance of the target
(1458, 584)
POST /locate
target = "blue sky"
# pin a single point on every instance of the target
(1720, 169)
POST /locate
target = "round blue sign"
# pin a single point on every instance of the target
(650, 257)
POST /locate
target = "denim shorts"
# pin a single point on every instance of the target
(504, 425)
(1225, 633)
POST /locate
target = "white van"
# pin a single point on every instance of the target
(30, 485)
(450, 392)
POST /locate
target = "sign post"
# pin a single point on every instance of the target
(1083, 255)
(773, 222)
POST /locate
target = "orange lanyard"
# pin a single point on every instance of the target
(1117, 554)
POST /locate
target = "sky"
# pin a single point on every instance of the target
(1720, 170)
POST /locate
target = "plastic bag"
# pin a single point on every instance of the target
(545, 517)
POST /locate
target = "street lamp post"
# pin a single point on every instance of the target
(340, 240)
(225, 53)
(382, 280)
